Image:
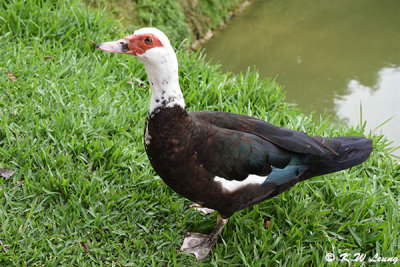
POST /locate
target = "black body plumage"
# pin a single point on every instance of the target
(188, 150)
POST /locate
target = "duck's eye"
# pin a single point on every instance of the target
(121, 42)
(148, 40)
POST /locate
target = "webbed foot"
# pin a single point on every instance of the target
(204, 210)
(198, 244)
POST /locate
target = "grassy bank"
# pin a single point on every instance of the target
(84, 193)
(179, 19)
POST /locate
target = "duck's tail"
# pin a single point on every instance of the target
(344, 153)
(348, 151)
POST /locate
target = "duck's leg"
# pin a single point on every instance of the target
(204, 210)
(200, 245)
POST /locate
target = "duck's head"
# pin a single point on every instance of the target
(152, 47)
(148, 45)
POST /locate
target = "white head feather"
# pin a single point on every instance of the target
(161, 66)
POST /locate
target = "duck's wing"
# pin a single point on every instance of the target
(293, 141)
(294, 152)
(235, 155)
(228, 150)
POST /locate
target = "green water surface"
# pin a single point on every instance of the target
(331, 56)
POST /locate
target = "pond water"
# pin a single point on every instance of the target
(330, 56)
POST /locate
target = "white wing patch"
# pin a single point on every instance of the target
(234, 185)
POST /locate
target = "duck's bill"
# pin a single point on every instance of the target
(120, 46)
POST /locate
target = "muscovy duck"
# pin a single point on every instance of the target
(223, 161)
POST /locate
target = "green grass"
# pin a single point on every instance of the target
(182, 20)
(71, 126)
(203, 15)
(166, 15)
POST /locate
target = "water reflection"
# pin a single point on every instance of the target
(379, 103)
(315, 48)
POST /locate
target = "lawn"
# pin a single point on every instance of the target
(84, 193)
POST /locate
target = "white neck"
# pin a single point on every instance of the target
(164, 82)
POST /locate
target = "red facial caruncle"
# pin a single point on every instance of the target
(138, 44)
